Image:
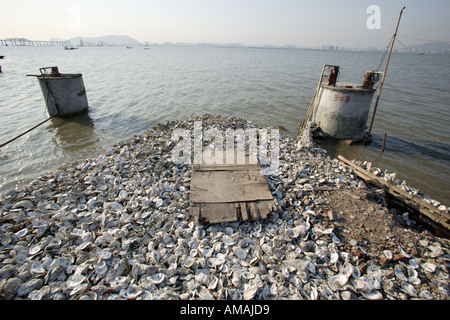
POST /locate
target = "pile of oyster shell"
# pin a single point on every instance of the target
(391, 177)
(118, 227)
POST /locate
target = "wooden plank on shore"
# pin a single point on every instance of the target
(438, 218)
(228, 186)
(230, 192)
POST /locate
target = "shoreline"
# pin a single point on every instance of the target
(117, 226)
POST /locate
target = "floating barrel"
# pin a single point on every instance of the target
(341, 109)
(342, 112)
(64, 93)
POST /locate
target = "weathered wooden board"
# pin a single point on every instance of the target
(230, 192)
(228, 186)
(438, 219)
(211, 213)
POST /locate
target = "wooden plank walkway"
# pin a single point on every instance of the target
(230, 192)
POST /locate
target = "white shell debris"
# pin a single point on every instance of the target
(390, 177)
(118, 227)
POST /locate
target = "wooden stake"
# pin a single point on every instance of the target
(384, 141)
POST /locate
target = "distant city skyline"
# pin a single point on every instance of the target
(124, 40)
(345, 23)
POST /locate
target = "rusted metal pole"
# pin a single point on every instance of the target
(309, 111)
(384, 75)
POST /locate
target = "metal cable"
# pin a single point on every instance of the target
(385, 52)
(422, 57)
(428, 40)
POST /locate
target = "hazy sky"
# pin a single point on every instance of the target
(301, 22)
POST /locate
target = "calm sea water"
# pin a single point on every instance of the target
(131, 90)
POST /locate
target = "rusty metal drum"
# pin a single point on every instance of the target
(64, 94)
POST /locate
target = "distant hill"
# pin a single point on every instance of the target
(110, 40)
(431, 47)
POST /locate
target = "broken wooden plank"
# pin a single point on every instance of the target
(265, 207)
(243, 211)
(218, 212)
(438, 218)
(227, 167)
(210, 213)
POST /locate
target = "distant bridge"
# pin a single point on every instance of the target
(26, 42)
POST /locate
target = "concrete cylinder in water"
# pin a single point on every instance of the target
(342, 111)
(64, 94)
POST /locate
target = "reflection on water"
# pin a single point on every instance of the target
(61, 140)
(74, 134)
(395, 145)
(429, 150)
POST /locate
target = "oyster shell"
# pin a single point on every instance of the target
(117, 226)
(157, 278)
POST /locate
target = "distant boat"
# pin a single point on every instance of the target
(69, 48)
(129, 47)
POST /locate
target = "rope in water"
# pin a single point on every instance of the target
(41, 123)
(17, 137)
